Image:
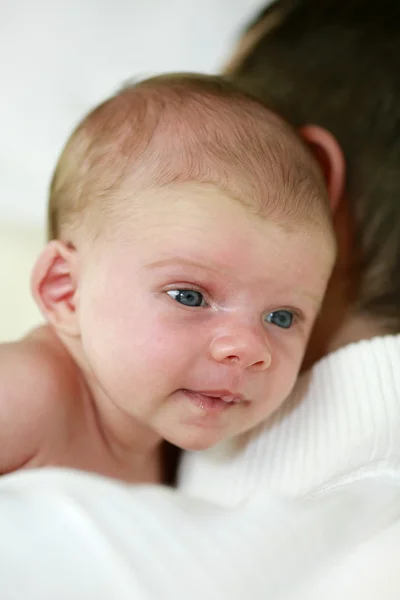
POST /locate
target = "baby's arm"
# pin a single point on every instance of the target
(31, 386)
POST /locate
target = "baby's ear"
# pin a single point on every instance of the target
(330, 158)
(54, 286)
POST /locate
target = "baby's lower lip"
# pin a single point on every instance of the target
(207, 403)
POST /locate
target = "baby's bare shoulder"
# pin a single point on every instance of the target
(37, 381)
(37, 365)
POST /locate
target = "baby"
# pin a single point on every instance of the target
(191, 245)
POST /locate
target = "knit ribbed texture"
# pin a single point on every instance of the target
(341, 423)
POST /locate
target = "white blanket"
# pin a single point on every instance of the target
(67, 535)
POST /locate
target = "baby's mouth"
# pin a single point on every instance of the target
(214, 401)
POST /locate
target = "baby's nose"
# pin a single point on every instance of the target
(243, 347)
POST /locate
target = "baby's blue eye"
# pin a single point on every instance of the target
(188, 297)
(280, 318)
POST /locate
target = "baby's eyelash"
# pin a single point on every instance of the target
(192, 287)
(187, 286)
(297, 316)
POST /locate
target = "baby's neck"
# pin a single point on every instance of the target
(131, 444)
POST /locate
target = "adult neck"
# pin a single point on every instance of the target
(355, 328)
(351, 328)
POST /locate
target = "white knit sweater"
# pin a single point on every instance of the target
(341, 424)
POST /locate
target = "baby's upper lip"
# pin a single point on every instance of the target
(225, 395)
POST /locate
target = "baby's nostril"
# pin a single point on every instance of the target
(232, 358)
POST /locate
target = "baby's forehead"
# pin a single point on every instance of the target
(205, 212)
(210, 238)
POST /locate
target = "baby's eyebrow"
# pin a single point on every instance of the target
(179, 261)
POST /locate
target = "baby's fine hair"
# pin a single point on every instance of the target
(180, 128)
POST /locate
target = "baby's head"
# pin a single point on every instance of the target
(191, 248)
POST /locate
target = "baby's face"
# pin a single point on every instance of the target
(195, 319)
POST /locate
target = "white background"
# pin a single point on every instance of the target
(60, 57)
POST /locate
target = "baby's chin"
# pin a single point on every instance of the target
(194, 443)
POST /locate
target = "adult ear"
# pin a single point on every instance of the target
(54, 286)
(330, 158)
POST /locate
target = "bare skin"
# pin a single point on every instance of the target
(62, 426)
